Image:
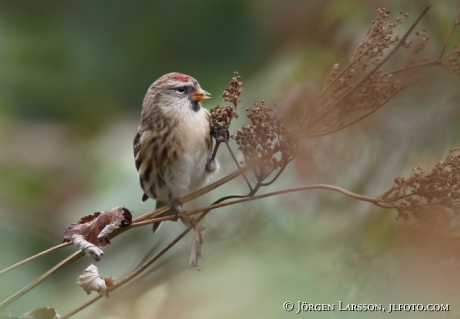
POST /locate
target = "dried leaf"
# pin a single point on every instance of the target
(186, 219)
(197, 240)
(109, 281)
(41, 313)
(95, 228)
(108, 230)
(92, 281)
(88, 248)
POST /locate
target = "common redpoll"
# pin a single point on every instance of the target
(172, 144)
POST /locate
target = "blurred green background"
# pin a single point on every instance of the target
(72, 80)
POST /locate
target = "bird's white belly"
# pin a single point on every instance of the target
(187, 174)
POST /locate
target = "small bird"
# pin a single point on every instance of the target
(173, 144)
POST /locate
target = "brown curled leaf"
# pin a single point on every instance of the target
(91, 226)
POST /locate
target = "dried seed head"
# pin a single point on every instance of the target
(411, 196)
(265, 143)
(221, 116)
(233, 91)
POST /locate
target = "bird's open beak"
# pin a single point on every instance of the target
(200, 95)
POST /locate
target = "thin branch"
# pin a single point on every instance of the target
(135, 273)
(358, 119)
(331, 105)
(193, 195)
(378, 201)
(349, 64)
(204, 210)
(132, 275)
(446, 42)
(373, 200)
(413, 66)
(171, 217)
(37, 281)
(214, 152)
(277, 175)
(119, 231)
(83, 306)
(237, 164)
(4, 271)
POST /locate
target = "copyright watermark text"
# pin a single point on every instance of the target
(303, 306)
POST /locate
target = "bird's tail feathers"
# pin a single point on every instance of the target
(157, 225)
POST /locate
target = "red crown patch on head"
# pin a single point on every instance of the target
(181, 77)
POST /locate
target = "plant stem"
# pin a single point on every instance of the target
(4, 271)
(132, 275)
(37, 281)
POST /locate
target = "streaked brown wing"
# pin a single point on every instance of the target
(137, 147)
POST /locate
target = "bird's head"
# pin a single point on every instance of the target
(176, 91)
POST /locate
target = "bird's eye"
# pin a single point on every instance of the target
(181, 89)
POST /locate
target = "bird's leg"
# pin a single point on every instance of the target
(175, 203)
